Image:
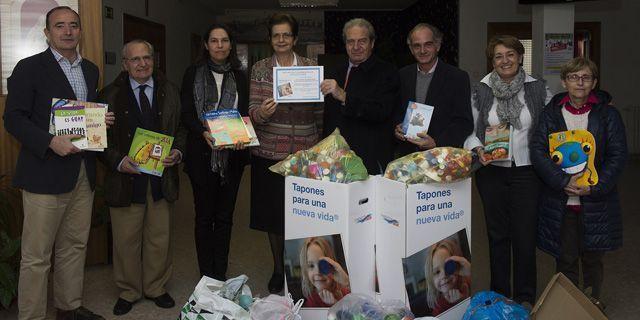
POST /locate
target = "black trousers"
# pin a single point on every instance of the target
(214, 205)
(573, 252)
(510, 197)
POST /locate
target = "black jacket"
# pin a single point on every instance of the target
(449, 93)
(198, 153)
(166, 107)
(366, 120)
(33, 83)
(601, 210)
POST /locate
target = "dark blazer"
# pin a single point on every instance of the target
(366, 120)
(601, 209)
(166, 103)
(449, 93)
(198, 153)
(33, 83)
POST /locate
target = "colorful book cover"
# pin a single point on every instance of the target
(252, 132)
(94, 118)
(148, 149)
(226, 127)
(497, 142)
(96, 127)
(574, 151)
(416, 119)
(71, 120)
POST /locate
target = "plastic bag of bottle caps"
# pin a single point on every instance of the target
(329, 160)
(441, 165)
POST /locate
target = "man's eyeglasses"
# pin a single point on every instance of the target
(285, 35)
(576, 78)
(138, 60)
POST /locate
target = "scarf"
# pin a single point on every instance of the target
(509, 106)
(205, 97)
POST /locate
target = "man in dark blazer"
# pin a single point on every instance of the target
(433, 82)
(141, 205)
(57, 179)
(362, 95)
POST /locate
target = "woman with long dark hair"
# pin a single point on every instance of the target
(215, 82)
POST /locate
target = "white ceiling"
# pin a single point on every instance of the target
(221, 5)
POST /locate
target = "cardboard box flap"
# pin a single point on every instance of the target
(563, 300)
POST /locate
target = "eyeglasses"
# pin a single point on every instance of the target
(576, 78)
(285, 35)
(138, 60)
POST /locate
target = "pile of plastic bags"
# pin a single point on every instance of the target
(441, 165)
(361, 307)
(329, 160)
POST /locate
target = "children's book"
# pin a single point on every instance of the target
(252, 132)
(94, 121)
(71, 120)
(148, 149)
(226, 127)
(574, 151)
(416, 119)
(496, 143)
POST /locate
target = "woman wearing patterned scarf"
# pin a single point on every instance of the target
(509, 189)
(215, 82)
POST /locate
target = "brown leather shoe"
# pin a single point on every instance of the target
(80, 313)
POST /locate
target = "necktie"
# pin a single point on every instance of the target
(145, 107)
(349, 71)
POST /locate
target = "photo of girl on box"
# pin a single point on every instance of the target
(448, 276)
(439, 277)
(324, 281)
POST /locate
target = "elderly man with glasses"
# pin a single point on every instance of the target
(141, 205)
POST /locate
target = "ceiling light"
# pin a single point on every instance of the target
(308, 3)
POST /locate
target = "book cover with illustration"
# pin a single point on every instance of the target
(71, 120)
(574, 151)
(148, 149)
(94, 121)
(226, 127)
(416, 119)
(497, 143)
(252, 132)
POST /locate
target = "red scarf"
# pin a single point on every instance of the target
(566, 103)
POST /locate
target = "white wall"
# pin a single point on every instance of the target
(181, 18)
(620, 35)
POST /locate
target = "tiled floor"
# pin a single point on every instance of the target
(250, 255)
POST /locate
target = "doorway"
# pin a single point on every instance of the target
(153, 32)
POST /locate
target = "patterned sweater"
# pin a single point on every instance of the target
(292, 127)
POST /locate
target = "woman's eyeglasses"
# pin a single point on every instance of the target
(576, 78)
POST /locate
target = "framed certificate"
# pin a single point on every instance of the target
(297, 84)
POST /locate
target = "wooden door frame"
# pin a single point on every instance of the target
(523, 30)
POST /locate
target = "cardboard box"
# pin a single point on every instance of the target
(410, 219)
(345, 212)
(561, 299)
(379, 222)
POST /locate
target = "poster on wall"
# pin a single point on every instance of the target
(558, 50)
(21, 30)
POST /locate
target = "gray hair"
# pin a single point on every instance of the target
(358, 22)
(136, 41)
(437, 34)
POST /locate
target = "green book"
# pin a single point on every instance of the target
(148, 149)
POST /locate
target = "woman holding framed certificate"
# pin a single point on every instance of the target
(214, 83)
(282, 129)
